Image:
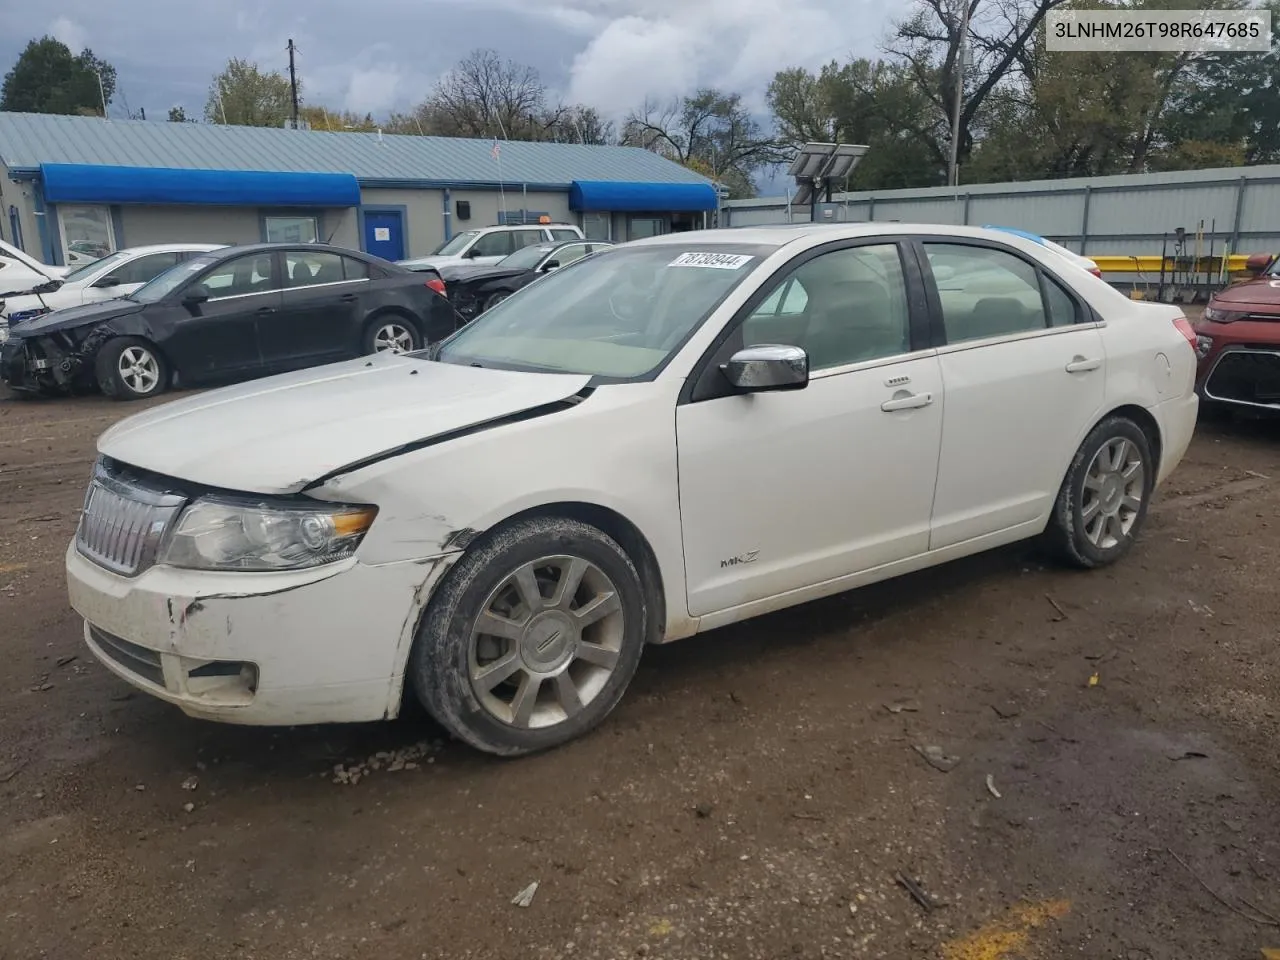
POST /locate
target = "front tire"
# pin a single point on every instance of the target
(392, 334)
(496, 299)
(130, 368)
(532, 638)
(1103, 501)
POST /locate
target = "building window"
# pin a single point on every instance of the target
(645, 227)
(291, 229)
(87, 233)
(597, 226)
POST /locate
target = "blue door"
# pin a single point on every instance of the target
(384, 234)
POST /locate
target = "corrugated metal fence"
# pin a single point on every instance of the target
(1104, 216)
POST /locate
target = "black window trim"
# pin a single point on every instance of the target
(1085, 314)
(704, 381)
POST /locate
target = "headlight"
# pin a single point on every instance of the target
(1218, 315)
(225, 534)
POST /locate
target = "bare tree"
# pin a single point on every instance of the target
(487, 96)
(711, 132)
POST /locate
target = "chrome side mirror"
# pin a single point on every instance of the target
(767, 366)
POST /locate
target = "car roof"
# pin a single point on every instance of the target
(173, 248)
(247, 248)
(782, 234)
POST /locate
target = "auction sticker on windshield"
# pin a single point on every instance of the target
(716, 261)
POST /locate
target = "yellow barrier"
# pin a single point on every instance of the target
(1151, 265)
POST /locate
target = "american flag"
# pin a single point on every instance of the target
(495, 151)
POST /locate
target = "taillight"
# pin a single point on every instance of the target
(1188, 331)
(1096, 272)
(437, 285)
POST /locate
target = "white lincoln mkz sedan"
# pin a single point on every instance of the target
(669, 436)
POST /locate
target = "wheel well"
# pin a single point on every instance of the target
(628, 537)
(383, 312)
(1146, 423)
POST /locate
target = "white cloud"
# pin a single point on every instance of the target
(373, 90)
(70, 33)
(665, 47)
(611, 54)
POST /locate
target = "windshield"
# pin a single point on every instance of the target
(164, 284)
(619, 313)
(451, 247)
(526, 258)
(81, 272)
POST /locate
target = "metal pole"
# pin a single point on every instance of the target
(293, 86)
(953, 170)
(102, 93)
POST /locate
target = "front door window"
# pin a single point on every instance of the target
(87, 233)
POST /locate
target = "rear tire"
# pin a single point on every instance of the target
(392, 333)
(1102, 504)
(570, 617)
(130, 368)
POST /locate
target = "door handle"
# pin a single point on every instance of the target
(1083, 365)
(907, 403)
(348, 298)
(263, 311)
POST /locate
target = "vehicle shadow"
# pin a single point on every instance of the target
(712, 666)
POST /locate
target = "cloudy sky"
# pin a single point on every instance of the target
(379, 55)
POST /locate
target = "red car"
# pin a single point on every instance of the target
(1238, 341)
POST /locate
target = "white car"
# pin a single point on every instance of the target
(641, 446)
(115, 275)
(20, 271)
(488, 245)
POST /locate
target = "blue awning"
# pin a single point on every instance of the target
(619, 195)
(89, 183)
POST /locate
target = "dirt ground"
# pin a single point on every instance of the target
(757, 794)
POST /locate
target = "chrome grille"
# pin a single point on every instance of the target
(123, 522)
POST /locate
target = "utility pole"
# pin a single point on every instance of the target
(293, 85)
(953, 170)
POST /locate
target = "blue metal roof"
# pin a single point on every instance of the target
(29, 140)
(90, 183)
(632, 197)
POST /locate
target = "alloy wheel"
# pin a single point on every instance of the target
(1114, 486)
(395, 337)
(546, 642)
(139, 370)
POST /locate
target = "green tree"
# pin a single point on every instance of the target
(1231, 100)
(870, 102)
(48, 78)
(337, 121)
(177, 115)
(245, 95)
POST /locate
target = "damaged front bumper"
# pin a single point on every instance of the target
(50, 363)
(326, 645)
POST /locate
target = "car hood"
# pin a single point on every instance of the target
(1262, 293)
(279, 434)
(72, 317)
(458, 273)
